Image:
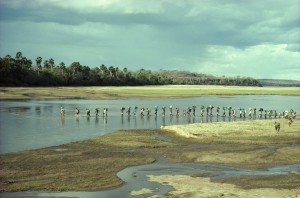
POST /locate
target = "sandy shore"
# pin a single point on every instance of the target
(168, 91)
(253, 131)
(187, 186)
(249, 132)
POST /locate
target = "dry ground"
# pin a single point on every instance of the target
(175, 91)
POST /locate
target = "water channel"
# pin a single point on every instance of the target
(32, 124)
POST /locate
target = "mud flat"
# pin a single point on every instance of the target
(92, 165)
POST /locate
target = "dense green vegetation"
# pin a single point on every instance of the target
(20, 71)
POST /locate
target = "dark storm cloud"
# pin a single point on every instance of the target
(201, 35)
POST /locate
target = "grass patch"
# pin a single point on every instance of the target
(92, 164)
(290, 181)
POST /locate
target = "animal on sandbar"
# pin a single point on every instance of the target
(277, 126)
(290, 121)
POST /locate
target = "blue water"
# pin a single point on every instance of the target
(32, 124)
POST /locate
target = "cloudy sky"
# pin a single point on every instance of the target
(260, 39)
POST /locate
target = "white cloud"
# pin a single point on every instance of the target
(261, 61)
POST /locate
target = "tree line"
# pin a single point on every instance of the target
(20, 71)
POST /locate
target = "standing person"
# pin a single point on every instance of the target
(224, 113)
(177, 111)
(202, 110)
(234, 113)
(128, 111)
(218, 111)
(122, 109)
(62, 111)
(171, 110)
(275, 114)
(254, 112)
(142, 111)
(164, 110)
(270, 114)
(265, 114)
(97, 112)
(229, 111)
(148, 112)
(135, 110)
(189, 110)
(207, 110)
(77, 111)
(250, 112)
(260, 112)
(88, 112)
(105, 112)
(194, 110)
(184, 112)
(155, 110)
(211, 108)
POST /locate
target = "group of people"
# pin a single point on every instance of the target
(191, 111)
(209, 112)
(88, 112)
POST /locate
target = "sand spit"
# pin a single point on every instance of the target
(197, 187)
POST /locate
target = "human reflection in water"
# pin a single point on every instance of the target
(88, 119)
(188, 119)
(163, 121)
(62, 119)
(96, 120)
(171, 119)
(122, 120)
(134, 118)
(38, 110)
(142, 120)
(155, 120)
(177, 120)
(104, 120)
(77, 120)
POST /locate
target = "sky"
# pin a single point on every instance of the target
(253, 38)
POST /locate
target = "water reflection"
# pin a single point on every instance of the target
(151, 121)
(29, 124)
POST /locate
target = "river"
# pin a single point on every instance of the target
(32, 124)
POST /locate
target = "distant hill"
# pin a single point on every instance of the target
(280, 83)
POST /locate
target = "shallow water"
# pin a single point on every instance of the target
(31, 124)
(136, 178)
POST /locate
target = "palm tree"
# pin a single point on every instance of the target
(38, 61)
(117, 71)
(75, 66)
(19, 57)
(51, 63)
(112, 71)
(103, 69)
(46, 64)
(125, 71)
(62, 67)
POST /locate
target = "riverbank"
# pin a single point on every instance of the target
(169, 91)
(92, 164)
